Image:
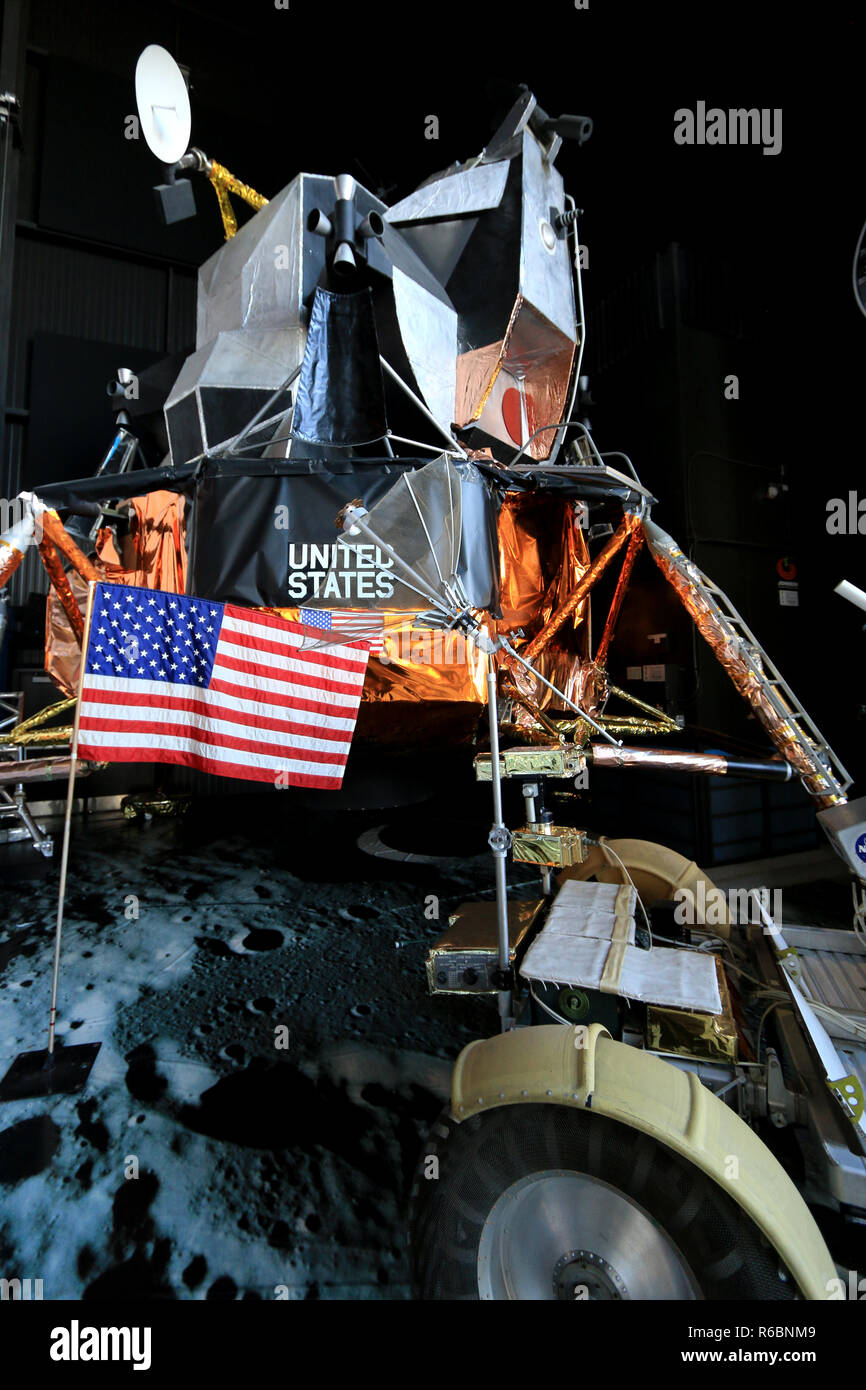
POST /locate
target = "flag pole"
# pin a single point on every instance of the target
(67, 823)
(49, 1072)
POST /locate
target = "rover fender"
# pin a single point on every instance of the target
(586, 1069)
(658, 872)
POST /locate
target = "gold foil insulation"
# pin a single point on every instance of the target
(44, 769)
(526, 539)
(422, 664)
(651, 721)
(474, 926)
(566, 670)
(64, 625)
(557, 845)
(688, 1033)
(543, 558)
(511, 387)
(462, 959)
(578, 595)
(225, 183)
(62, 637)
(10, 559)
(154, 804)
(64, 613)
(541, 760)
(634, 545)
(441, 670)
(152, 554)
(62, 586)
(732, 654)
(32, 731)
(54, 531)
(605, 755)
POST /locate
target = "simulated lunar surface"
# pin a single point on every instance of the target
(270, 1061)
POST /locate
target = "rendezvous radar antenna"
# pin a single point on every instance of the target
(164, 114)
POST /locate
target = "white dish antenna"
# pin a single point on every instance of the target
(163, 104)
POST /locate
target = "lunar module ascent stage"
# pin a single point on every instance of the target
(382, 416)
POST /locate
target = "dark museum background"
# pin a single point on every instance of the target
(701, 263)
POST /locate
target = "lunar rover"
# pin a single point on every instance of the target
(393, 392)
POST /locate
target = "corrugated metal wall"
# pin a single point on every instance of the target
(64, 284)
(88, 293)
(63, 288)
(674, 286)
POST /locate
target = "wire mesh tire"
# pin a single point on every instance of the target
(550, 1202)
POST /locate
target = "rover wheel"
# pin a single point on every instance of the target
(538, 1202)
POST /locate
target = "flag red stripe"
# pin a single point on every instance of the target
(277, 673)
(212, 711)
(208, 738)
(338, 709)
(241, 770)
(248, 692)
(286, 649)
(262, 619)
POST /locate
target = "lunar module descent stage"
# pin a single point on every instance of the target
(381, 416)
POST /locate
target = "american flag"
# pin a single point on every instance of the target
(228, 690)
(353, 624)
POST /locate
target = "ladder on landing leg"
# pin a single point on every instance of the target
(773, 687)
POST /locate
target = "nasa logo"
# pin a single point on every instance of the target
(860, 847)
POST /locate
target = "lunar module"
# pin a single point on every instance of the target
(381, 421)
